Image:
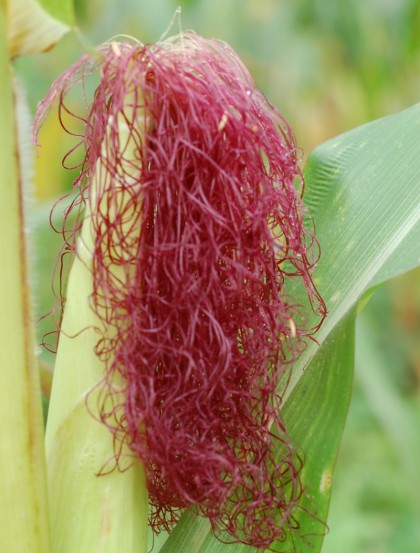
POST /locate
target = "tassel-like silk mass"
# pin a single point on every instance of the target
(188, 179)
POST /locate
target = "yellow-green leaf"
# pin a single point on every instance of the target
(37, 26)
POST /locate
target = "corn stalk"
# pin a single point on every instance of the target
(23, 504)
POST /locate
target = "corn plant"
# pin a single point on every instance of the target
(205, 359)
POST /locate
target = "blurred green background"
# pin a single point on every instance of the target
(329, 66)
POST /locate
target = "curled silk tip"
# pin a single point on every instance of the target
(205, 225)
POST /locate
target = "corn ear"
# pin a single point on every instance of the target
(23, 498)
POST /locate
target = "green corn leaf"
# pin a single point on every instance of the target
(363, 190)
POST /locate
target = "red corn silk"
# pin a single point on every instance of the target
(205, 226)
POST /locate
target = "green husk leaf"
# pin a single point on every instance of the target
(88, 512)
(104, 513)
(112, 512)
